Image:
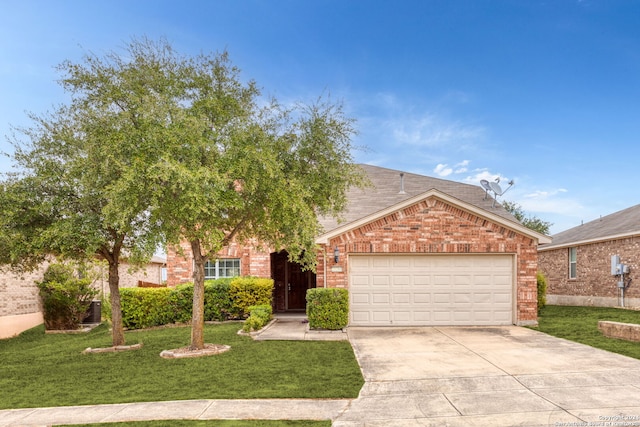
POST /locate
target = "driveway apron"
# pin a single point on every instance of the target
(481, 376)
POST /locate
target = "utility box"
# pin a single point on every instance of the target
(94, 313)
(615, 265)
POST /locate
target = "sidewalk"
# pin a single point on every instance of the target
(271, 409)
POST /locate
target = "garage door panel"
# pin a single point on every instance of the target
(431, 290)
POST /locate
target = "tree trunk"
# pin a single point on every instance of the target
(197, 320)
(116, 309)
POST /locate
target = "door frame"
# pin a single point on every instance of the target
(281, 275)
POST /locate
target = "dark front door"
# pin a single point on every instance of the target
(298, 283)
(291, 283)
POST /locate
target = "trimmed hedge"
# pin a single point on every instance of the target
(258, 319)
(224, 299)
(328, 308)
(246, 292)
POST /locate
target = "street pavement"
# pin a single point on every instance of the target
(440, 376)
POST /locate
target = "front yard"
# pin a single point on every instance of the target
(39, 370)
(580, 324)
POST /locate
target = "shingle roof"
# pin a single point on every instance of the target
(385, 192)
(621, 223)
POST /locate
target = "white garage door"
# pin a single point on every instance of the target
(431, 290)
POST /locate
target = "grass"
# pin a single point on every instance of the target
(580, 324)
(214, 423)
(38, 370)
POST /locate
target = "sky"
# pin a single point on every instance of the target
(545, 93)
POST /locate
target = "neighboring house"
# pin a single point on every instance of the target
(20, 306)
(412, 250)
(578, 262)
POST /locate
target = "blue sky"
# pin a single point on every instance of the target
(543, 92)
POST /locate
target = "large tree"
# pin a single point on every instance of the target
(249, 170)
(80, 190)
(529, 221)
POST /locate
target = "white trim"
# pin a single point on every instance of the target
(588, 241)
(518, 228)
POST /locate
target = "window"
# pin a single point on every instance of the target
(227, 267)
(573, 263)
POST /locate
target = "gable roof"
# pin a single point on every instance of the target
(384, 196)
(617, 225)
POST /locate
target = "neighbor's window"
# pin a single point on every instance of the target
(572, 263)
(226, 267)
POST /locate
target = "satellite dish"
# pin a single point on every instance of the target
(495, 188)
(487, 188)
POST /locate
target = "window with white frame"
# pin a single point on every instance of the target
(573, 263)
(224, 267)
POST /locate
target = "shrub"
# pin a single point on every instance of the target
(327, 308)
(181, 302)
(217, 300)
(65, 299)
(258, 319)
(542, 290)
(246, 292)
(146, 307)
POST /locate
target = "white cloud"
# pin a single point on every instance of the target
(443, 170)
(462, 166)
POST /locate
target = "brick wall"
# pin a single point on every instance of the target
(253, 262)
(436, 227)
(594, 284)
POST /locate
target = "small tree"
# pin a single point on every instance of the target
(530, 221)
(65, 298)
(81, 191)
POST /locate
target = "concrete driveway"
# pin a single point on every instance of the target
(491, 376)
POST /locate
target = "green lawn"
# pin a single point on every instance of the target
(40, 370)
(580, 324)
(214, 423)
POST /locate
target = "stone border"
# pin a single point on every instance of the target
(86, 327)
(623, 331)
(113, 349)
(208, 350)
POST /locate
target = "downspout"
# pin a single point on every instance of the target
(324, 259)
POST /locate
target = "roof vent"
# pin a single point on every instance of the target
(402, 184)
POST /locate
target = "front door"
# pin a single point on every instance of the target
(291, 283)
(298, 282)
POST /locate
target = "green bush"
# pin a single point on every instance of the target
(246, 292)
(65, 299)
(146, 307)
(217, 300)
(542, 291)
(258, 319)
(327, 308)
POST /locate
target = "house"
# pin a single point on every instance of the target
(20, 305)
(412, 250)
(578, 262)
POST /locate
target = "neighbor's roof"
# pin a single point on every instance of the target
(617, 225)
(385, 192)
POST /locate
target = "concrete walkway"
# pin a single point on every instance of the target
(454, 376)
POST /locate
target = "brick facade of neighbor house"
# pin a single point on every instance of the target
(594, 285)
(20, 305)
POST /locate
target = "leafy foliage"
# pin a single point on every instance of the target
(328, 308)
(258, 318)
(65, 299)
(146, 307)
(532, 222)
(542, 290)
(246, 292)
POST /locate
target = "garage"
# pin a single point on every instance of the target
(431, 290)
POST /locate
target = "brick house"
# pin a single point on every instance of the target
(412, 250)
(578, 262)
(20, 305)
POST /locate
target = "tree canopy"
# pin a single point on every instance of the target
(530, 221)
(156, 146)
